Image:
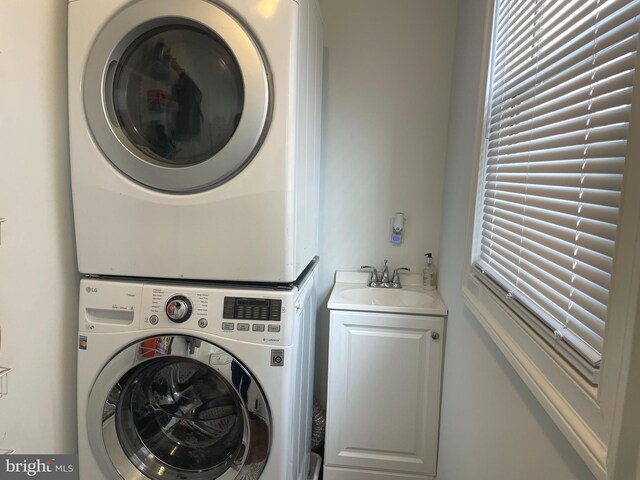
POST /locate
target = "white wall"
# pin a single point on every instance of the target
(491, 426)
(387, 76)
(38, 280)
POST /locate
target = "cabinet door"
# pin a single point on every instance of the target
(384, 391)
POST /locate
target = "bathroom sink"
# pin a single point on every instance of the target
(351, 293)
(401, 297)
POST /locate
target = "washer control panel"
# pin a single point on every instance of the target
(263, 317)
(178, 308)
(265, 309)
(221, 311)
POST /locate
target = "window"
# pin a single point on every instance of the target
(554, 245)
(557, 120)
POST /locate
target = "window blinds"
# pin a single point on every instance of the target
(557, 123)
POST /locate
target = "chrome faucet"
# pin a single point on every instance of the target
(373, 280)
(395, 281)
(384, 281)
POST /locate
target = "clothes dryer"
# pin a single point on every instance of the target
(194, 137)
(194, 382)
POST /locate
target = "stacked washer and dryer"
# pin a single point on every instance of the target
(194, 134)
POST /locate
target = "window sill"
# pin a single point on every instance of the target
(571, 402)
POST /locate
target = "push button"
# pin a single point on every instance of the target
(227, 326)
(243, 327)
(274, 328)
(257, 327)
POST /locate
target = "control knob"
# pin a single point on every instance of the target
(178, 308)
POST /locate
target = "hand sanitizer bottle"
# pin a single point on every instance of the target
(429, 273)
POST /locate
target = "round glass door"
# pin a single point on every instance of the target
(179, 408)
(177, 415)
(177, 95)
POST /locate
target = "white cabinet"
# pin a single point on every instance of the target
(383, 405)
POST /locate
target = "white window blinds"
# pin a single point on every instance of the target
(557, 123)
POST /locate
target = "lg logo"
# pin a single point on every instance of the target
(92, 289)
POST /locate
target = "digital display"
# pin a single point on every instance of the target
(263, 309)
(254, 302)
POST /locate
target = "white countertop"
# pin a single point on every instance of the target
(350, 292)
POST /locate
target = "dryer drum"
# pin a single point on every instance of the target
(178, 100)
(178, 94)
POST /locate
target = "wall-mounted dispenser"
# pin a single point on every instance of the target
(397, 228)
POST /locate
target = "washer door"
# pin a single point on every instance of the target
(178, 407)
(177, 94)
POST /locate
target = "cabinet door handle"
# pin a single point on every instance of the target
(435, 335)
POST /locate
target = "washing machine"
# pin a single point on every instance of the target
(194, 381)
(194, 137)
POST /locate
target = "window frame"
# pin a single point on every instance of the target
(589, 416)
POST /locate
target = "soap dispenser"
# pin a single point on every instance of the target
(429, 273)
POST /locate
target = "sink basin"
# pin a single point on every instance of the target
(409, 299)
(399, 297)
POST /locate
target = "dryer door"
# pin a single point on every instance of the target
(177, 94)
(177, 407)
